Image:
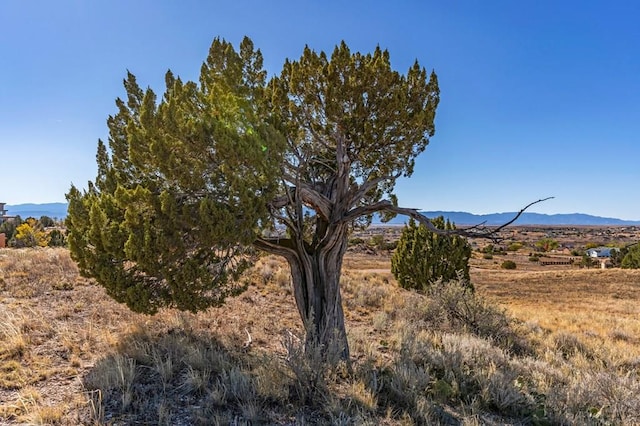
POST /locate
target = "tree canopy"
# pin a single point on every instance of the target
(191, 182)
(182, 189)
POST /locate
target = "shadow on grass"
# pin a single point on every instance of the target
(183, 377)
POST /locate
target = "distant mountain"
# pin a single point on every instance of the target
(464, 218)
(59, 211)
(53, 210)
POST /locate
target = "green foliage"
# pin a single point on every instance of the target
(46, 221)
(617, 256)
(192, 181)
(547, 244)
(508, 264)
(8, 227)
(183, 187)
(356, 241)
(423, 256)
(379, 242)
(534, 259)
(587, 261)
(385, 117)
(57, 238)
(514, 246)
(376, 241)
(631, 259)
(487, 256)
(489, 248)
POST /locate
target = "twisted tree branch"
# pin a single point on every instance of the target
(476, 231)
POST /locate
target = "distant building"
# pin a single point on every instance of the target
(600, 252)
(3, 214)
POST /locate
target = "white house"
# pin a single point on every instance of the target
(601, 252)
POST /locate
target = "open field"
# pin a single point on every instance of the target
(70, 355)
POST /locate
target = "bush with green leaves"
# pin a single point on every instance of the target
(587, 261)
(631, 259)
(8, 227)
(57, 238)
(547, 244)
(618, 255)
(46, 222)
(422, 256)
(514, 246)
(379, 242)
(508, 264)
(488, 249)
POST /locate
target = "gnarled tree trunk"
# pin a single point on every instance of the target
(316, 286)
(315, 273)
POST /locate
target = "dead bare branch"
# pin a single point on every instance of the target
(475, 231)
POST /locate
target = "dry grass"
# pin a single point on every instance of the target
(599, 307)
(70, 355)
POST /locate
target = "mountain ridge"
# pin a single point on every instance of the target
(527, 218)
(53, 210)
(59, 211)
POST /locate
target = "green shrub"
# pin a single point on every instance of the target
(487, 256)
(632, 259)
(508, 264)
(489, 248)
(376, 241)
(547, 244)
(57, 238)
(423, 256)
(356, 241)
(379, 242)
(534, 259)
(514, 246)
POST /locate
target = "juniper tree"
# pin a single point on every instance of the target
(631, 259)
(193, 181)
(424, 256)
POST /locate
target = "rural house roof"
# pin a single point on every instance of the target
(600, 251)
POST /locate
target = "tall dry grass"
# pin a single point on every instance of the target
(525, 348)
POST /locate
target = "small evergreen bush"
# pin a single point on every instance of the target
(423, 256)
(508, 264)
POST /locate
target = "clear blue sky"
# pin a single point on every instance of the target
(538, 98)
